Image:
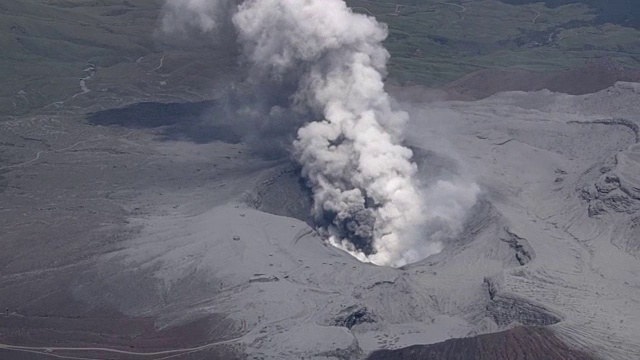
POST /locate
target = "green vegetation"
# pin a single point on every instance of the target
(436, 41)
(622, 12)
(48, 44)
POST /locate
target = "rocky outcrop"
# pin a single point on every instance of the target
(506, 308)
(353, 316)
(523, 251)
(617, 189)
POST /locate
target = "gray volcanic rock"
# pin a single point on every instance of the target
(354, 315)
(143, 213)
(515, 344)
(523, 251)
(507, 309)
(282, 192)
(167, 232)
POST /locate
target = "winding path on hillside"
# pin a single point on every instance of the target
(47, 350)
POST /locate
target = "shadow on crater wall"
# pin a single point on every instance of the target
(268, 129)
(175, 121)
(519, 343)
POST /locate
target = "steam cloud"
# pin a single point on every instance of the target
(181, 15)
(364, 184)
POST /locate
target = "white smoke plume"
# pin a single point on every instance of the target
(362, 177)
(204, 15)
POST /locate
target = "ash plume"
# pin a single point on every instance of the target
(366, 194)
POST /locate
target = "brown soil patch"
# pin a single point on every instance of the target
(594, 76)
(519, 343)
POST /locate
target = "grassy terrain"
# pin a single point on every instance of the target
(623, 12)
(434, 42)
(46, 45)
(49, 46)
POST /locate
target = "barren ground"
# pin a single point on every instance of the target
(137, 222)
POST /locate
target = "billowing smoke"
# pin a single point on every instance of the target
(204, 15)
(366, 196)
